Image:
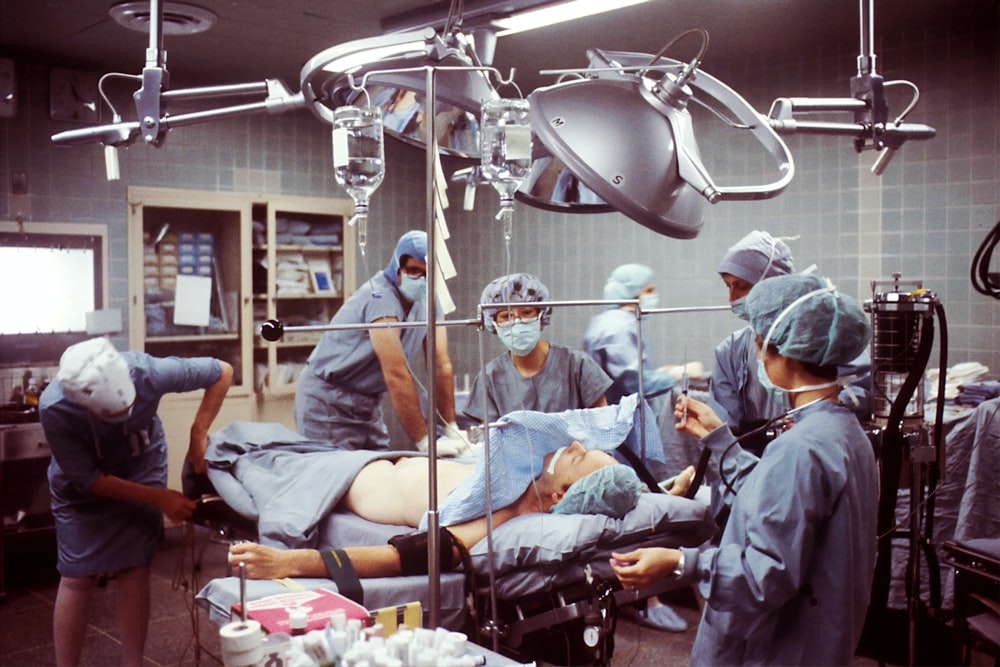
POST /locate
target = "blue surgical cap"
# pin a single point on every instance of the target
(515, 288)
(826, 328)
(412, 243)
(756, 256)
(612, 490)
(627, 281)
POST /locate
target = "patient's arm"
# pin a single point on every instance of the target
(263, 562)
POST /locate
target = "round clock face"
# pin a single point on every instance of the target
(591, 635)
(73, 95)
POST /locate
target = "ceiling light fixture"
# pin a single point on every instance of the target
(559, 13)
(179, 18)
(392, 71)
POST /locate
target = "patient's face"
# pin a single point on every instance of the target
(577, 462)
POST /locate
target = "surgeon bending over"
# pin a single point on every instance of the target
(790, 580)
(599, 476)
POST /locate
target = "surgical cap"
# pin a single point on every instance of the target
(612, 490)
(515, 288)
(627, 281)
(826, 329)
(93, 374)
(756, 256)
(412, 243)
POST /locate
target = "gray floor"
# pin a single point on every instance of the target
(26, 615)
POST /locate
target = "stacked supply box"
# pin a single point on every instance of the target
(195, 253)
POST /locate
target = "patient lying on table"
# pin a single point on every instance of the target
(573, 480)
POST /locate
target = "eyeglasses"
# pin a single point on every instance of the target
(414, 272)
(507, 317)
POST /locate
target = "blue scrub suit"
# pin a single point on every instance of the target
(96, 534)
(569, 380)
(790, 580)
(338, 396)
(612, 339)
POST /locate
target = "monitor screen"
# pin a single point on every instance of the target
(50, 283)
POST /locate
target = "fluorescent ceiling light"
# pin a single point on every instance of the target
(553, 14)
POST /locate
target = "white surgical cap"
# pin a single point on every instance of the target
(627, 281)
(93, 374)
(756, 256)
(826, 329)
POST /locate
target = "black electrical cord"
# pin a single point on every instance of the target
(982, 281)
(891, 455)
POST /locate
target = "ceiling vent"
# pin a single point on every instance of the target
(179, 18)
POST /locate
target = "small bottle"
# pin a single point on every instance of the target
(32, 393)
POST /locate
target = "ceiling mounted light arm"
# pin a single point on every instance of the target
(871, 129)
(278, 99)
(670, 97)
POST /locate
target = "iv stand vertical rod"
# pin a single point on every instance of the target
(430, 353)
(866, 55)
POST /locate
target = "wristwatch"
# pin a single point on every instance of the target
(679, 570)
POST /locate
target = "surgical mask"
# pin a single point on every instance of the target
(412, 289)
(649, 301)
(520, 337)
(775, 394)
(739, 308)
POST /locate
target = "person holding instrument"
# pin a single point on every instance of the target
(790, 580)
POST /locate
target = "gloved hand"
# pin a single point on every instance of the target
(446, 446)
(452, 430)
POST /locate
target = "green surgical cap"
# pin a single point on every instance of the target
(627, 281)
(826, 329)
(612, 490)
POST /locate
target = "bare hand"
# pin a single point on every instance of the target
(682, 482)
(695, 417)
(261, 562)
(644, 567)
(175, 505)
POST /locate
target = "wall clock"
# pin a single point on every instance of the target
(73, 95)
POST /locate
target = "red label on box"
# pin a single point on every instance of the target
(272, 611)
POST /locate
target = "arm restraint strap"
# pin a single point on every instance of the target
(340, 569)
(412, 549)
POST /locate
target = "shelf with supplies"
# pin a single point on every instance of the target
(189, 278)
(302, 270)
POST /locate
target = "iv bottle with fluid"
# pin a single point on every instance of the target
(358, 158)
(505, 150)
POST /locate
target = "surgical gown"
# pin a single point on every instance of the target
(97, 534)
(338, 396)
(569, 380)
(734, 385)
(790, 580)
(612, 339)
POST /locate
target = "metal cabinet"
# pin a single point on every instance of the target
(24, 497)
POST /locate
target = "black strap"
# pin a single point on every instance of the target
(699, 473)
(640, 469)
(341, 570)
